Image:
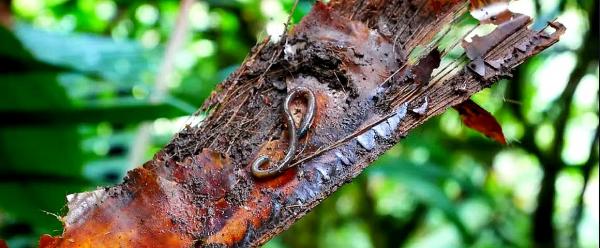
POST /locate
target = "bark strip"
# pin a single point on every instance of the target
(359, 58)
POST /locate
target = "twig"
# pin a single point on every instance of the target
(142, 138)
(586, 171)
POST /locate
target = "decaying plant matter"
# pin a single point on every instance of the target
(377, 69)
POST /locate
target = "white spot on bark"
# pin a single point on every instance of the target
(421, 110)
(383, 130)
(323, 172)
(367, 140)
(343, 158)
(81, 203)
(395, 120)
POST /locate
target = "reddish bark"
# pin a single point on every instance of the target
(353, 55)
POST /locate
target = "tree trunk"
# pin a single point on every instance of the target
(370, 87)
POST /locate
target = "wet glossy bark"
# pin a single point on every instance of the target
(353, 56)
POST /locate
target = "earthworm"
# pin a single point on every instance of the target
(294, 134)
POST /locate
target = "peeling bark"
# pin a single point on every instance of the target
(354, 56)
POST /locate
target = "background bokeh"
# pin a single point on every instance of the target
(92, 88)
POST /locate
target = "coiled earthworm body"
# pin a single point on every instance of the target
(294, 133)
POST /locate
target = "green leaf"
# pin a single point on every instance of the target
(122, 62)
(425, 183)
(116, 113)
(30, 91)
(36, 99)
(32, 203)
(15, 58)
(41, 150)
(11, 47)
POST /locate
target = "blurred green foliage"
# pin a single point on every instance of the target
(77, 79)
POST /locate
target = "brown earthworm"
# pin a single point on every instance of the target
(294, 134)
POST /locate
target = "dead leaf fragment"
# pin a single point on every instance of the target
(422, 71)
(480, 46)
(479, 119)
